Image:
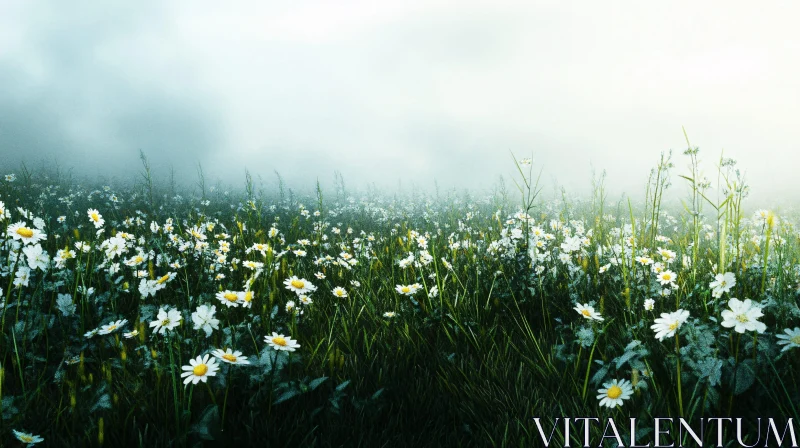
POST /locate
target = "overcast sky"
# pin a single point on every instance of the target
(411, 90)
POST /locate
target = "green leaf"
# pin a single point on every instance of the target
(207, 423)
(315, 384)
(291, 393)
(745, 377)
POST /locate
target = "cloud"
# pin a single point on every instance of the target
(411, 91)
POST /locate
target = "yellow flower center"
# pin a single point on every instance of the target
(25, 232)
(95, 217)
(163, 279)
(279, 341)
(248, 296)
(673, 326)
(405, 289)
(667, 277)
(111, 328)
(586, 313)
(231, 297)
(200, 370)
(299, 284)
(229, 357)
(614, 392)
(742, 318)
(796, 339)
(25, 438)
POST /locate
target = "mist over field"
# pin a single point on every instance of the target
(419, 223)
(403, 92)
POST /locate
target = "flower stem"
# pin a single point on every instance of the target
(678, 354)
(588, 368)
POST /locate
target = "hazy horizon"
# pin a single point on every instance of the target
(412, 92)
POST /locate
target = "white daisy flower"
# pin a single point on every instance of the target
(27, 438)
(230, 357)
(112, 327)
(668, 323)
(743, 316)
(722, 283)
(21, 232)
(299, 285)
(231, 299)
(666, 277)
(95, 218)
(614, 393)
(281, 342)
(588, 312)
(166, 320)
(791, 339)
(203, 319)
(199, 369)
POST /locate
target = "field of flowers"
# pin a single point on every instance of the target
(143, 313)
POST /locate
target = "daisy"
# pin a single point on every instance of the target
(743, 316)
(166, 278)
(199, 369)
(131, 334)
(229, 298)
(588, 312)
(166, 320)
(37, 258)
(112, 327)
(667, 255)
(722, 283)
(405, 290)
(252, 265)
(649, 304)
(299, 285)
(247, 299)
(96, 218)
(668, 323)
(25, 437)
(281, 342)
(146, 287)
(230, 357)
(203, 319)
(91, 333)
(614, 393)
(305, 300)
(389, 314)
(666, 277)
(339, 292)
(20, 232)
(791, 339)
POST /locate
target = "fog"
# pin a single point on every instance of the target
(402, 92)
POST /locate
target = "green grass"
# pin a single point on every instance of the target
(470, 366)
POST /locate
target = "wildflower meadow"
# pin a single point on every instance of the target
(142, 312)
